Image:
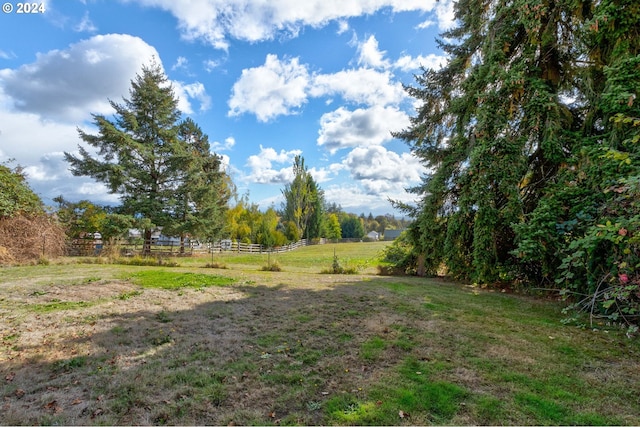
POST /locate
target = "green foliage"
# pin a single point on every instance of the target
(351, 227)
(82, 219)
(161, 168)
(399, 257)
(16, 198)
(198, 203)
(163, 279)
(303, 203)
(531, 132)
(334, 232)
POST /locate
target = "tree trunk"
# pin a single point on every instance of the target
(146, 248)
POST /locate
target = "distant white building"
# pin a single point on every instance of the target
(373, 235)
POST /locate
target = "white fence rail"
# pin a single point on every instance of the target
(246, 248)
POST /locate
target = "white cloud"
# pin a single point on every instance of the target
(353, 198)
(275, 88)
(425, 24)
(212, 64)
(362, 127)
(41, 104)
(185, 92)
(282, 87)
(70, 84)
(262, 170)
(228, 144)
(86, 25)
(370, 55)
(181, 62)
(446, 14)
(410, 63)
(379, 170)
(361, 86)
(213, 21)
(343, 26)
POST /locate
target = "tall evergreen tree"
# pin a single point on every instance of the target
(200, 198)
(494, 127)
(303, 201)
(140, 154)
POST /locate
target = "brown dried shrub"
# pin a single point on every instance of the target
(24, 239)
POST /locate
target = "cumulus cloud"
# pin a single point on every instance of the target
(379, 170)
(262, 170)
(361, 86)
(343, 26)
(181, 62)
(362, 127)
(446, 14)
(69, 84)
(214, 21)
(276, 88)
(196, 91)
(370, 55)
(282, 87)
(353, 198)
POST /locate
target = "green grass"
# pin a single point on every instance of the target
(52, 306)
(162, 279)
(302, 348)
(361, 255)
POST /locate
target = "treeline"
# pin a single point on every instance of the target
(532, 133)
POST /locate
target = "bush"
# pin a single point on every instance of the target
(399, 258)
(272, 266)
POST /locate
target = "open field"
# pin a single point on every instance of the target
(114, 344)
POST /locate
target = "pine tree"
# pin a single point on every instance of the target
(141, 155)
(199, 201)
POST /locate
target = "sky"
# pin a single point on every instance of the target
(265, 80)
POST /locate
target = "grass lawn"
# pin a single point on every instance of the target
(113, 344)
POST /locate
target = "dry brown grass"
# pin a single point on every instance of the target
(25, 239)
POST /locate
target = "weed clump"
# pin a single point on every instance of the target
(337, 268)
(216, 265)
(272, 266)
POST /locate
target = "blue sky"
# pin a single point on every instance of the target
(265, 80)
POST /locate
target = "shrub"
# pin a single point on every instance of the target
(272, 266)
(399, 258)
(336, 268)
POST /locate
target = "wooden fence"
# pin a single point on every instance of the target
(247, 248)
(91, 247)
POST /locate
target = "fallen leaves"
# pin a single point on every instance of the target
(403, 414)
(53, 407)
